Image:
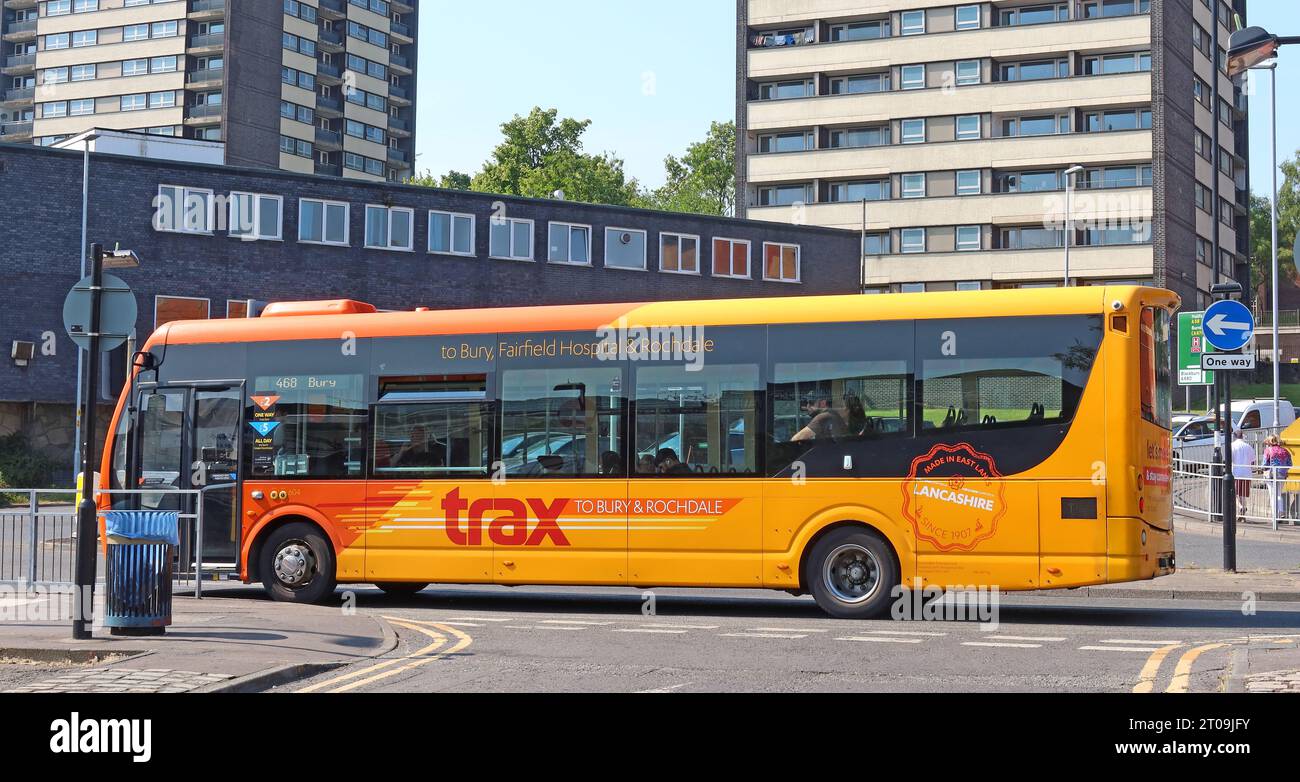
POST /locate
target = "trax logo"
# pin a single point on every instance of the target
(510, 529)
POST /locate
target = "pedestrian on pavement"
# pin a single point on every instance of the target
(1277, 464)
(1243, 467)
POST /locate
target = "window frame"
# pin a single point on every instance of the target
(158, 296)
(256, 235)
(731, 258)
(798, 262)
(451, 246)
(903, 245)
(568, 226)
(532, 239)
(211, 217)
(699, 246)
(645, 249)
(324, 240)
(389, 211)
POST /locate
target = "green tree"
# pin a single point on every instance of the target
(452, 180)
(1288, 219)
(542, 153)
(703, 180)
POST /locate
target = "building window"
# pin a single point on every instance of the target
(913, 131)
(256, 216)
(969, 182)
(968, 72)
(569, 243)
(860, 137)
(510, 239)
(968, 286)
(875, 244)
(871, 190)
(137, 102)
(913, 185)
(625, 248)
(183, 210)
(859, 85)
(679, 253)
(781, 262)
(1126, 119)
(389, 228)
(58, 41)
(913, 77)
(1034, 70)
(1097, 9)
(967, 17)
(912, 22)
(1117, 63)
(172, 308)
(731, 258)
(81, 107)
(912, 240)
(784, 195)
(322, 222)
(58, 108)
(1036, 14)
(785, 90)
(451, 233)
(785, 142)
(85, 38)
(83, 72)
(968, 238)
(1036, 126)
(860, 31)
(1032, 238)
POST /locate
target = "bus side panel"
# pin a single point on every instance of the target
(695, 532)
(563, 531)
(1073, 526)
(337, 507)
(980, 552)
(794, 513)
(407, 532)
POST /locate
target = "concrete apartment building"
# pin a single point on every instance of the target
(956, 124)
(310, 86)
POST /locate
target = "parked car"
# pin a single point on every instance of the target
(1194, 440)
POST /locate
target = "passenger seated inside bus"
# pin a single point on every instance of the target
(645, 465)
(421, 451)
(668, 463)
(611, 463)
(825, 422)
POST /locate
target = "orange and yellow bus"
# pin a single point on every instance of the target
(839, 446)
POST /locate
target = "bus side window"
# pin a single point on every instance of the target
(702, 422)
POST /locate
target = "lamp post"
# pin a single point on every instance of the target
(1250, 49)
(1069, 216)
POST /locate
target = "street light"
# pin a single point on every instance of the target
(1069, 216)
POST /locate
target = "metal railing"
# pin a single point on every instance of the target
(1264, 318)
(1272, 495)
(39, 548)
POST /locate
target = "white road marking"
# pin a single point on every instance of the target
(573, 622)
(1144, 649)
(669, 688)
(648, 630)
(686, 627)
(463, 624)
(907, 632)
(783, 630)
(1001, 645)
(763, 635)
(478, 619)
(1052, 638)
(548, 627)
(880, 639)
(1143, 641)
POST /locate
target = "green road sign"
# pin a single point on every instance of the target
(1191, 345)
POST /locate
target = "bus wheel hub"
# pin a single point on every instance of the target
(293, 563)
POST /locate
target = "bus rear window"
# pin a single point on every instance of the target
(1153, 366)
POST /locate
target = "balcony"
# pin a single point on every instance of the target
(328, 169)
(329, 40)
(19, 5)
(206, 78)
(399, 63)
(332, 9)
(400, 31)
(206, 44)
(202, 115)
(328, 139)
(18, 65)
(17, 97)
(328, 74)
(206, 10)
(21, 31)
(1079, 92)
(401, 7)
(1024, 152)
(399, 156)
(1002, 265)
(399, 95)
(399, 127)
(16, 131)
(1118, 33)
(328, 107)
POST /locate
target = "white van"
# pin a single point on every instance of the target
(1194, 440)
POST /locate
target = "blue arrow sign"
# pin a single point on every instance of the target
(264, 428)
(1228, 325)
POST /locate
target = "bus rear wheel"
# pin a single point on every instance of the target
(852, 573)
(298, 564)
(397, 588)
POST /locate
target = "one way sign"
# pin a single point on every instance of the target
(1228, 325)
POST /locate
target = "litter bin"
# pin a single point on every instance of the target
(138, 571)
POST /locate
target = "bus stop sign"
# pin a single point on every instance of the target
(1228, 325)
(117, 313)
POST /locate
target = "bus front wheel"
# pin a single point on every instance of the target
(852, 573)
(298, 564)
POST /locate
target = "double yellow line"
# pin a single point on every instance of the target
(388, 668)
(1182, 669)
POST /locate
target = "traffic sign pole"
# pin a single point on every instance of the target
(87, 518)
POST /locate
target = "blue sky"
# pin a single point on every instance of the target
(652, 76)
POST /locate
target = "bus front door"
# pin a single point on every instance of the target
(189, 438)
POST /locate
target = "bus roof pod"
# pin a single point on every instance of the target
(286, 309)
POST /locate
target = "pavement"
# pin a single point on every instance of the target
(235, 640)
